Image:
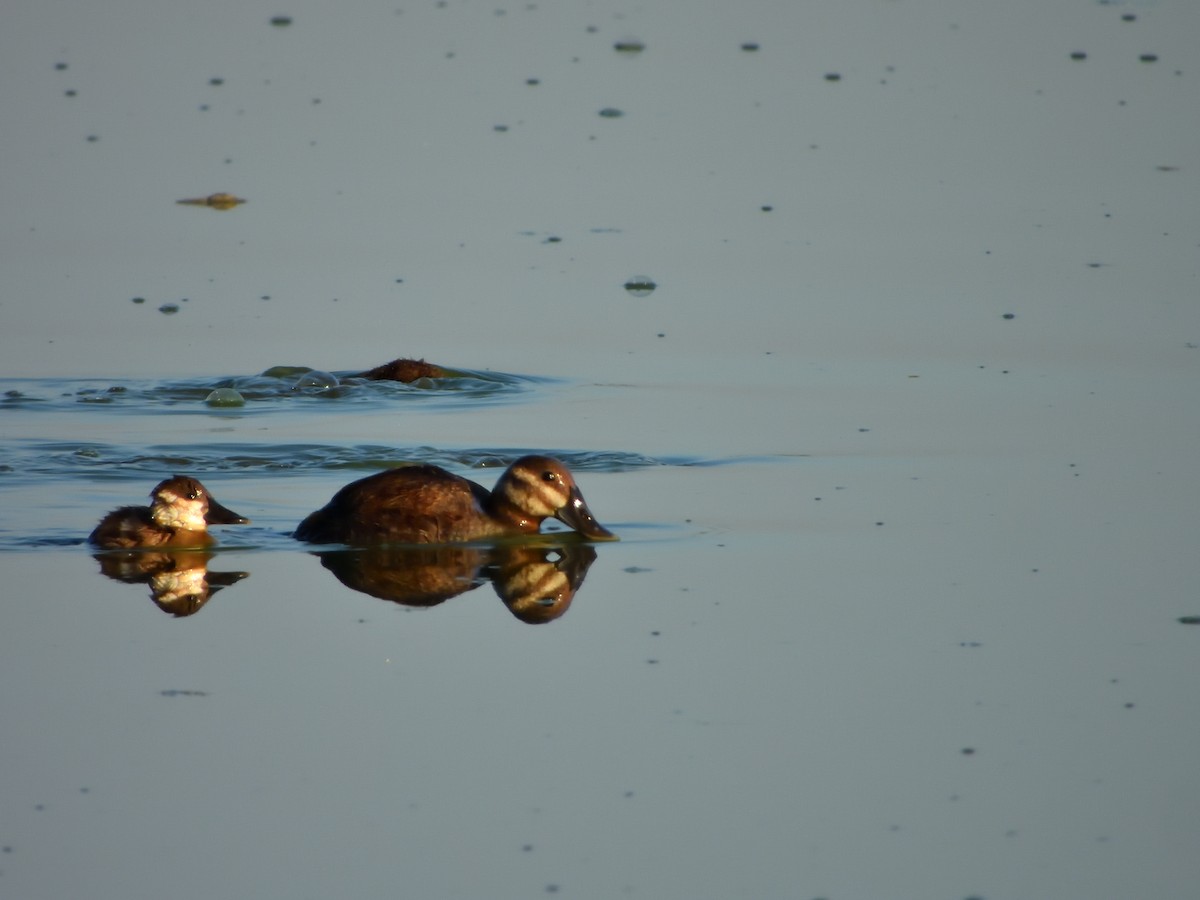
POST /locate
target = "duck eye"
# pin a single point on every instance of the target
(549, 476)
(193, 495)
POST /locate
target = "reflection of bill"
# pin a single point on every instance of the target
(180, 582)
(537, 582)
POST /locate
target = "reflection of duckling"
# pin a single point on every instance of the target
(179, 580)
(536, 582)
(406, 370)
(180, 512)
(427, 505)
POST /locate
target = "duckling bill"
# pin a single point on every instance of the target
(424, 504)
(180, 511)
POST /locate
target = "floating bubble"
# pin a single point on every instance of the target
(640, 286)
(316, 379)
(225, 397)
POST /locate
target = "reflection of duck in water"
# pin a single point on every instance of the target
(427, 505)
(179, 580)
(536, 582)
(179, 514)
(406, 370)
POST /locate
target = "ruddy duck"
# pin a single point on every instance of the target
(407, 370)
(427, 505)
(180, 512)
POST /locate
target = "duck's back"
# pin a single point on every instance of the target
(417, 504)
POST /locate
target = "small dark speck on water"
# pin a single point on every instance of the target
(750, 46)
(92, 138)
(1148, 57)
(169, 309)
(1009, 316)
(1189, 620)
(138, 299)
(61, 67)
(610, 112)
(766, 208)
(1079, 55)
(640, 285)
(216, 82)
(1128, 17)
(500, 128)
(281, 21)
(833, 76)
(533, 81)
(629, 47)
(968, 751)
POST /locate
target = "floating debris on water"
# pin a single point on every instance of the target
(138, 299)
(225, 397)
(281, 21)
(213, 201)
(169, 309)
(631, 47)
(640, 286)
(610, 112)
(750, 46)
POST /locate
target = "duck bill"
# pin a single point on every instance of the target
(577, 515)
(221, 515)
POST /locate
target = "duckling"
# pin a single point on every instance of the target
(424, 504)
(180, 512)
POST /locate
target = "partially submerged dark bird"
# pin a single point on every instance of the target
(426, 505)
(180, 511)
(406, 370)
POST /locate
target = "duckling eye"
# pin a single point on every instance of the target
(193, 495)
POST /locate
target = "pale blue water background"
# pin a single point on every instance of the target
(896, 612)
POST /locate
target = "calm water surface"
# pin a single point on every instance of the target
(901, 449)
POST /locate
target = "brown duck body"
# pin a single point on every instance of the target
(426, 505)
(179, 515)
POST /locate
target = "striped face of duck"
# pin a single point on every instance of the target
(538, 487)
